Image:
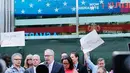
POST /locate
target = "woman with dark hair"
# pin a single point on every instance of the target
(68, 65)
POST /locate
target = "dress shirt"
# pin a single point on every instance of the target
(50, 66)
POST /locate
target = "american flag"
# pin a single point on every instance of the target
(64, 7)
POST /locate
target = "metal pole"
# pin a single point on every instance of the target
(9, 8)
(6, 20)
(77, 18)
(12, 21)
(1, 16)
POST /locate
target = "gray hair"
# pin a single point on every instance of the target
(50, 51)
(15, 54)
(100, 59)
(35, 55)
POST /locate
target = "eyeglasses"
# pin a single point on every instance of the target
(17, 59)
(47, 55)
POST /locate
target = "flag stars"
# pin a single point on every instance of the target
(31, 5)
(101, 1)
(65, 3)
(39, 10)
(22, 1)
(22, 11)
(73, 9)
(56, 9)
(83, 2)
(48, 4)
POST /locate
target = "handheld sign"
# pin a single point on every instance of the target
(90, 41)
(11, 39)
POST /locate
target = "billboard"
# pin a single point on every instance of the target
(54, 31)
(51, 7)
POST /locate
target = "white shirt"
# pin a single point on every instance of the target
(34, 69)
(50, 66)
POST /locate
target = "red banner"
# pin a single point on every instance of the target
(72, 29)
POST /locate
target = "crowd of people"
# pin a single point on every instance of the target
(69, 63)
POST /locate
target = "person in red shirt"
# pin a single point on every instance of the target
(68, 65)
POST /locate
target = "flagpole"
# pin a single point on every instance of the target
(77, 19)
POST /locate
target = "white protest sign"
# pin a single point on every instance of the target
(90, 41)
(11, 39)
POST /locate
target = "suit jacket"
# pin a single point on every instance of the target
(57, 68)
(81, 68)
(29, 70)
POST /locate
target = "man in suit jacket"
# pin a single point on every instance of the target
(79, 67)
(36, 61)
(53, 66)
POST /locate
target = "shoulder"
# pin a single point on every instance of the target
(22, 68)
(75, 71)
(42, 63)
(29, 69)
(8, 70)
(58, 65)
(80, 65)
(107, 72)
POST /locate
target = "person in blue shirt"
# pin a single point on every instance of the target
(16, 67)
(93, 67)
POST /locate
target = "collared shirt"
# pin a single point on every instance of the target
(50, 66)
(34, 68)
(12, 69)
(93, 67)
(76, 65)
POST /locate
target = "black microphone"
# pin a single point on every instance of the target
(46, 63)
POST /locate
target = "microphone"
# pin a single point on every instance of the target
(46, 63)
